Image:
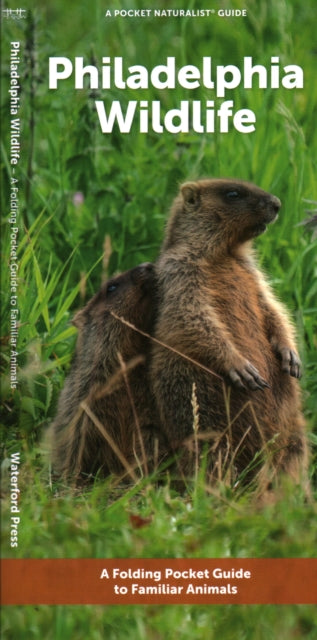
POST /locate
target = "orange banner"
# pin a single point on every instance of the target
(159, 581)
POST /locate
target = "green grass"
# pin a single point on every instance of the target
(159, 623)
(98, 524)
(126, 184)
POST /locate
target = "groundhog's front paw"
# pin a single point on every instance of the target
(290, 362)
(247, 377)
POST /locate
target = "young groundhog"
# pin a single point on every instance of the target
(100, 416)
(216, 308)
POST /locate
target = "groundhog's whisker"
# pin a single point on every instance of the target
(163, 344)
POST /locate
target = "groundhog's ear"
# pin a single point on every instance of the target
(78, 319)
(190, 193)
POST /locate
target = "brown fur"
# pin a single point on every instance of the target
(82, 435)
(216, 308)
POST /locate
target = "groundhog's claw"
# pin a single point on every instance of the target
(290, 362)
(247, 377)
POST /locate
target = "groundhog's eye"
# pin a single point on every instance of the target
(111, 287)
(233, 195)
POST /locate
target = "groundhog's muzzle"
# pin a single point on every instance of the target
(271, 207)
(266, 212)
(143, 275)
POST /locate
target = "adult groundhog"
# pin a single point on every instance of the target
(216, 308)
(100, 416)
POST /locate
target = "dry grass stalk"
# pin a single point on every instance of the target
(135, 415)
(110, 441)
(195, 428)
(107, 251)
(163, 344)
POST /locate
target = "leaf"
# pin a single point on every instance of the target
(42, 293)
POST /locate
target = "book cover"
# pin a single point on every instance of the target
(107, 110)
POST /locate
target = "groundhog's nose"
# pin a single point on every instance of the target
(146, 267)
(276, 203)
(142, 271)
(270, 206)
